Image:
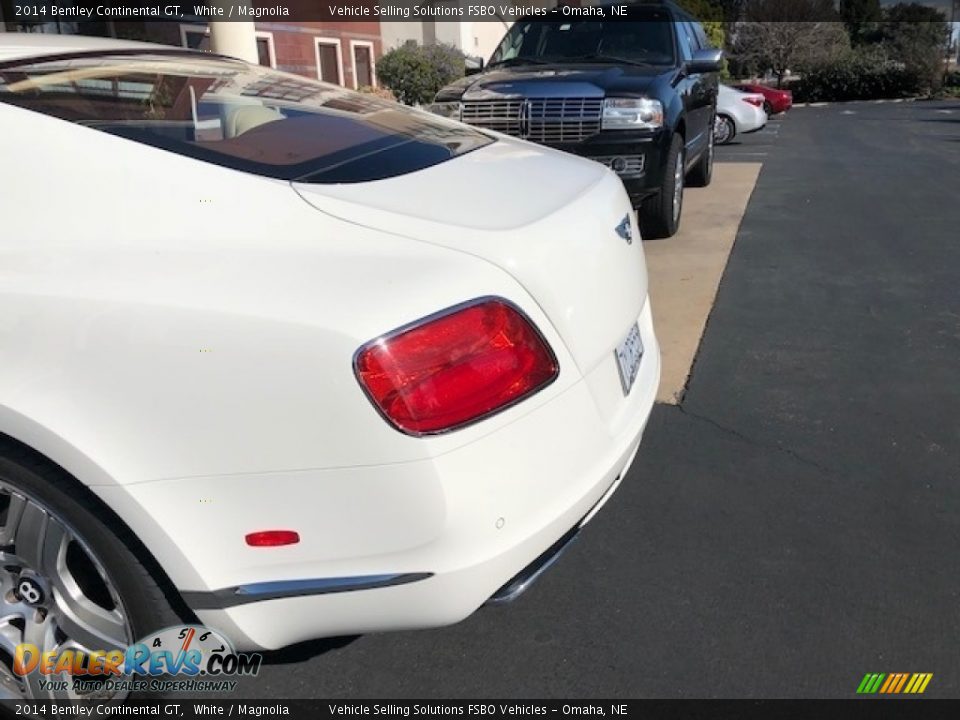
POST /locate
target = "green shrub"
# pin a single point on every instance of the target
(857, 76)
(414, 73)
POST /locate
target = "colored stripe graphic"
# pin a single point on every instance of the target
(870, 683)
(894, 683)
(922, 682)
(891, 681)
(900, 683)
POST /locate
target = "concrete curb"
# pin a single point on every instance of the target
(860, 102)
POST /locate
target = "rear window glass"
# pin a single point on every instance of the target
(237, 115)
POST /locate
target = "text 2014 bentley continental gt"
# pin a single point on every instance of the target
(297, 361)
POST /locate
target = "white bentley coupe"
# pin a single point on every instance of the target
(291, 360)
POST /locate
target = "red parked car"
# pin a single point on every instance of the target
(775, 101)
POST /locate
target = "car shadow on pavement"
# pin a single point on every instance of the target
(304, 651)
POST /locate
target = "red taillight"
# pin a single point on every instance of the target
(272, 538)
(755, 101)
(455, 368)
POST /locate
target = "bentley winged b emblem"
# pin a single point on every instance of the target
(624, 230)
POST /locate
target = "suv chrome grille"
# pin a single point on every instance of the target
(500, 115)
(543, 120)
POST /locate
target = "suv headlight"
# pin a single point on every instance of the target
(446, 109)
(632, 114)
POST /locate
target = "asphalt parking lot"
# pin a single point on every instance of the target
(793, 522)
(756, 146)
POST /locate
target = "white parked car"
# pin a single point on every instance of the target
(297, 360)
(738, 113)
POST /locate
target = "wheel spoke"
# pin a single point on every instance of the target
(30, 535)
(14, 511)
(70, 692)
(10, 635)
(82, 620)
(41, 634)
(52, 562)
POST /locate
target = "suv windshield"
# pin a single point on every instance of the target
(646, 41)
(237, 115)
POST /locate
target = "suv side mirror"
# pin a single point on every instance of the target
(473, 65)
(705, 61)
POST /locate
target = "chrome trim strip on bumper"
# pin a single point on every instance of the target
(521, 582)
(274, 590)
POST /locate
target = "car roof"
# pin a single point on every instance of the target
(730, 89)
(16, 46)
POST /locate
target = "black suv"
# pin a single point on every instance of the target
(637, 92)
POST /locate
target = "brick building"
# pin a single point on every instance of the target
(344, 53)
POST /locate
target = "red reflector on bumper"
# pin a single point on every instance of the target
(272, 538)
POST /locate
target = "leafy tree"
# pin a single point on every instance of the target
(716, 33)
(703, 9)
(917, 36)
(789, 11)
(731, 9)
(414, 73)
(861, 18)
(710, 14)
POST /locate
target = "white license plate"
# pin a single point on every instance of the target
(629, 354)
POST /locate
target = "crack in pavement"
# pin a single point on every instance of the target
(756, 443)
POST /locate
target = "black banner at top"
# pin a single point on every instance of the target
(294, 10)
(38, 11)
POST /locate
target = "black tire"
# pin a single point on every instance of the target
(148, 605)
(659, 218)
(768, 108)
(702, 172)
(725, 134)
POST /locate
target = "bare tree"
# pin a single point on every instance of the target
(788, 34)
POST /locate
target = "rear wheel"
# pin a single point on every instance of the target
(66, 581)
(660, 214)
(724, 130)
(767, 108)
(702, 172)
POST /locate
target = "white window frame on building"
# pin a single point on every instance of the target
(353, 61)
(271, 48)
(205, 31)
(319, 40)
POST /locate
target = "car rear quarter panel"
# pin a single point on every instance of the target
(166, 318)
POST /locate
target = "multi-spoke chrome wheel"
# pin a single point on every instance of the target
(678, 175)
(723, 130)
(54, 595)
(710, 149)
